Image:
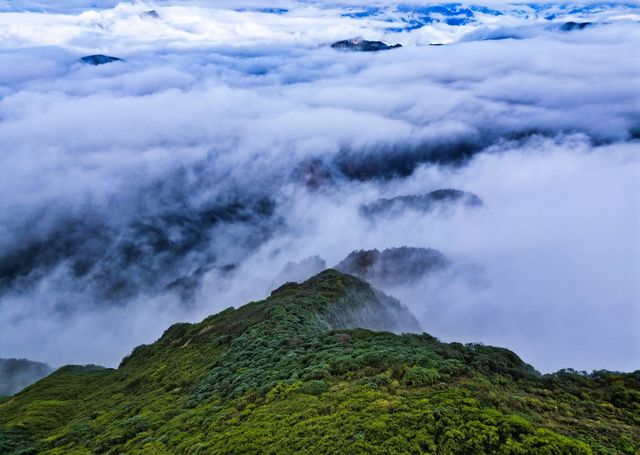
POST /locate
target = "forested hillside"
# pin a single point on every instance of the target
(293, 374)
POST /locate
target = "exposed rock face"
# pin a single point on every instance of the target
(99, 59)
(420, 202)
(361, 45)
(16, 374)
(394, 266)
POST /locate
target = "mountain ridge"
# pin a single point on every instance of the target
(294, 374)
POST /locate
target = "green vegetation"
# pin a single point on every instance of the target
(292, 374)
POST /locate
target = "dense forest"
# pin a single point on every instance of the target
(316, 368)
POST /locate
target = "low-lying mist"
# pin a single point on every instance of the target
(203, 171)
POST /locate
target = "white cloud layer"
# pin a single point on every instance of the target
(120, 179)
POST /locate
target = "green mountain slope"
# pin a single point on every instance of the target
(292, 374)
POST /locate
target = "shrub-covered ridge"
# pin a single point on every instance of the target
(304, 372)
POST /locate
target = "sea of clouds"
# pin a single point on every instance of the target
(232, 140)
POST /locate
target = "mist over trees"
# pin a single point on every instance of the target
(16, 374)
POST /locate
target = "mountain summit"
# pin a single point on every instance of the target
(302, 372)
(361, 45)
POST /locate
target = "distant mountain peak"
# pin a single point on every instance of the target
(16, 374)
(361, 45)
(393, 266)
(420, 202)
(99, 59)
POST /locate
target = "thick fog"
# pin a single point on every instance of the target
(232, 149)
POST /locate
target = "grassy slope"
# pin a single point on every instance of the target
(286, 375)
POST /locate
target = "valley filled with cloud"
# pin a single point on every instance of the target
(231, 148)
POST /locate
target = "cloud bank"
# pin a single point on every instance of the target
(232, 140)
